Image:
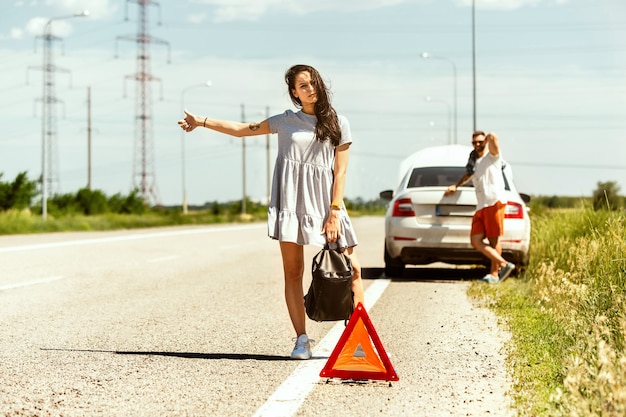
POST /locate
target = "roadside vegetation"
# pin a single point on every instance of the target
(567, 312)
(84, 210)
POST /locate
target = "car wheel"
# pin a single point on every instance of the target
(393, 267)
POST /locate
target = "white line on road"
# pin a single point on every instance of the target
(290, 395)
(27, 283)
(129, 237)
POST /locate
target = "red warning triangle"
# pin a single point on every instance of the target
(354, 357)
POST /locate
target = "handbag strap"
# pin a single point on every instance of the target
(318, 257)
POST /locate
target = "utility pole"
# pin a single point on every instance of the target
(474, 62)
(267, 159)
(143, 168)
(182, 144)
(89, 138)
(243, 163)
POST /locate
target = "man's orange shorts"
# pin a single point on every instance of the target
(489, 221)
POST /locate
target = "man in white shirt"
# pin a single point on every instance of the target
(484, 168)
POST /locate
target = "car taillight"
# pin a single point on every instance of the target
(403, 208)
(513, 211)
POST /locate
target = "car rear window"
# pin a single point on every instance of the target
(442, 177)
(436, 176)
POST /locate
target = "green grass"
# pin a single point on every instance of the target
(535, 350)
(23, 221)
(567, 316)
(19, 222)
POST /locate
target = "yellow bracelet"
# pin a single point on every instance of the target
(335, 204)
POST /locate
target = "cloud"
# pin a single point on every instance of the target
(98, 9)
(35, 27)
(16, 33)
(197, 18)
(252, 10)
(506, 4)
(60, 10)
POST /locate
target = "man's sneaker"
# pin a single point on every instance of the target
(302, 350)
(490, 279)
(506, 271)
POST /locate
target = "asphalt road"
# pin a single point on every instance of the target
(190, 321)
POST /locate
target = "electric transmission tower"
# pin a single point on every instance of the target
(143, 167)
(50, 183)
(49, 161)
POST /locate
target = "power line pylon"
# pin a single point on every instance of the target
(144, 178)
(50, 183)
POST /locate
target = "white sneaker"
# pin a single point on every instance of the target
(302, 350)
(506, 271)
(490, 279)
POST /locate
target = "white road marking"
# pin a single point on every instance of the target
(27, 283)
(290, 395)
(128, 237)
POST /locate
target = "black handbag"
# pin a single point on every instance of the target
(330, 296)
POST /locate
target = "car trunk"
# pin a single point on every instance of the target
(432, 207)
(451, 215)
(448, 219)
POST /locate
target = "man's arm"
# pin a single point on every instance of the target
(452, 189)
(492, 141)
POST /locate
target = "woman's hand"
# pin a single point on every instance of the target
(189, 123)
(332, 226)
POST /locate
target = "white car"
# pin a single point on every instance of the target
(422, 226)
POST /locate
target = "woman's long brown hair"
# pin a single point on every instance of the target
(327, 127)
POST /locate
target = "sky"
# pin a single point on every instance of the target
(550, 81)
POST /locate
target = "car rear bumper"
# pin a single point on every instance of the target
(412, 243)
(424, 256)
(419, 253)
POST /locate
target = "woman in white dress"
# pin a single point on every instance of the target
(306, 205)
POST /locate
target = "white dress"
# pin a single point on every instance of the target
(303, 182)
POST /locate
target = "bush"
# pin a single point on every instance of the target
(60, 204)
(92, 202)
(606, 196)
(133, 204)
(18, 194)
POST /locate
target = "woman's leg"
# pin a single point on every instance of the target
(357, 283)
(293, 268)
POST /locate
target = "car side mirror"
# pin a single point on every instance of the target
(386, 195)
(525, 198)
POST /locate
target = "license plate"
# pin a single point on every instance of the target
(454, 210)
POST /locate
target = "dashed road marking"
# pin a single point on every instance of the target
(127, 237)
(28, 283)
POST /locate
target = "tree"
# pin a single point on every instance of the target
(606, 196)
(18, 194)
(92, 201)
